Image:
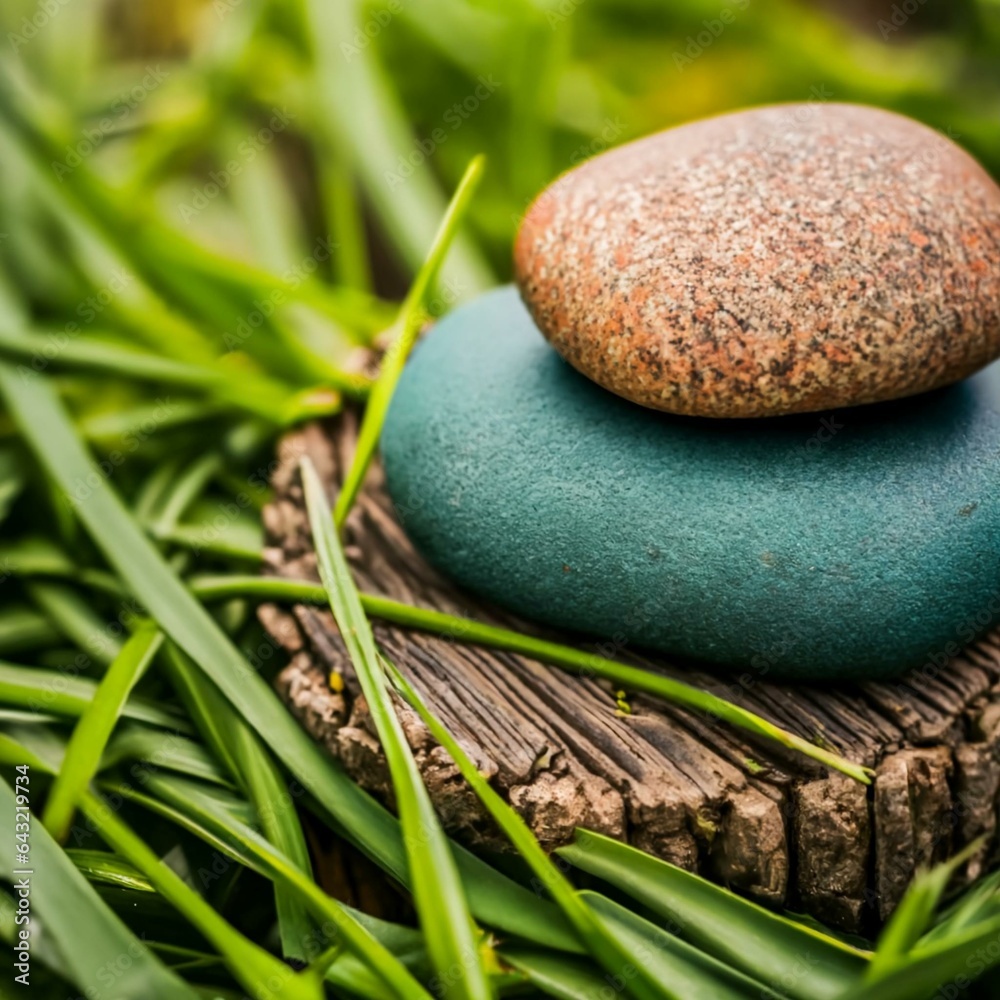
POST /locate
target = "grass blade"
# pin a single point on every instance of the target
(108, 869)
(437, 889)
(90, 936)
(247, 390)
(953, 959)
(11, 481)
(370, 131)
(259, 777)
(633, 678)
(39, 690)
(47, 429)
(92, 732)
(979, 903)
(688, 974)
(407, 326)
(279, 821)
(185, 803)
(239, 540)
(23, 628)
(560, 976)
(201, 706)
(465, 630)
(185, 490)
(128, 422)
(765, 945)
(367, 970)
(193, 800)
(256, 969)
(914, 914)
(170, 260)
(74, 617)
(601, 946)
(342, 205)
(162, 749)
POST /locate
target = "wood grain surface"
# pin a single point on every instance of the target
(567, 751)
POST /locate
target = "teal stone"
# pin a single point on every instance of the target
(852, 544)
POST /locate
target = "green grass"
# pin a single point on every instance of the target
(92, 732)
(451, 936)
(603, 941)
(761, 944)
(412, 316)
(149, 363)
(464, 630)
(89, 933)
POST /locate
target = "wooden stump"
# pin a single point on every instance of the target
(563, 751)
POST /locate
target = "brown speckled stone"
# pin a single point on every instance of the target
(780, 260)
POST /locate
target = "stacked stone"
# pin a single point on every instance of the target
(770, 448)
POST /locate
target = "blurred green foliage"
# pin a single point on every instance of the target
(376, 108)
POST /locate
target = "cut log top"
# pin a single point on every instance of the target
(568, 751)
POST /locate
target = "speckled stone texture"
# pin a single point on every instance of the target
(786, 259)
(852, 544)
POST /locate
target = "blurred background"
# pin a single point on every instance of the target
(260, 128)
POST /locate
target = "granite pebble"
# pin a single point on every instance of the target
(778, 260)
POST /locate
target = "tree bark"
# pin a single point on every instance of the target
(768, 823)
